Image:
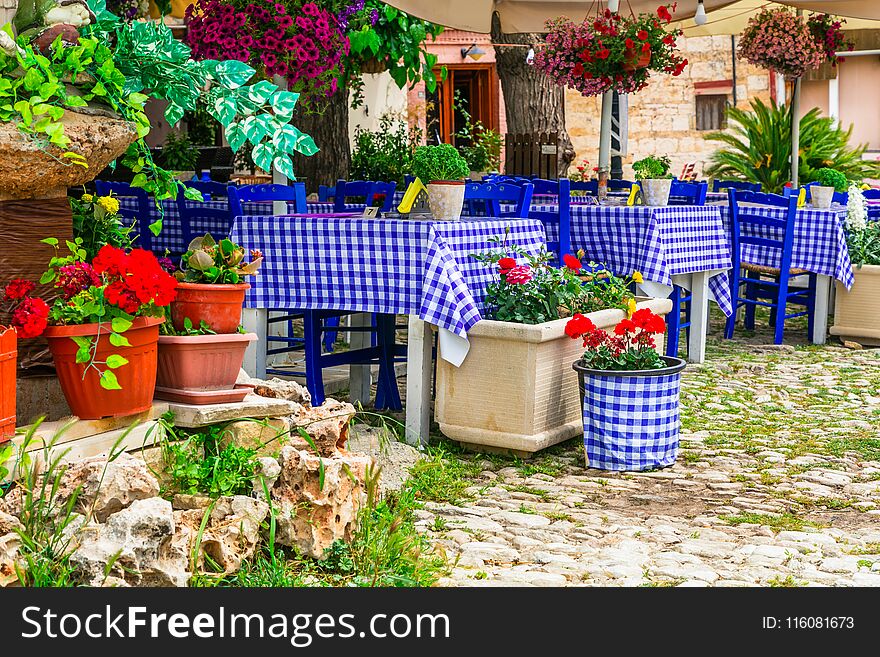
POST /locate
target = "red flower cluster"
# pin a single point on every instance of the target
(571, 262)
(30, 317)
(579, 325)
(135, 279)
(73, 279)
(505, 265)
(18, 289)
(636, 332)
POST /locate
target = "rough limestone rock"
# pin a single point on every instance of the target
(231, 533)
(109, 486)
(142, 536)
(282, 389)
(26, 171)
(312, 517)
(9, 544)
(266, 436)
(8, 523)
(268, 470)
(395, 458)
(327, 424)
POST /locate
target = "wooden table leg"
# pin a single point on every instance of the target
(699, 317)
(418, 381)
(360, 376)
(256, 320)
(820, 318)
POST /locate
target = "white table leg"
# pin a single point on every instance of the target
(418, 381)
(820, 312)
(699, 317)
(360, 378)
(256, 320)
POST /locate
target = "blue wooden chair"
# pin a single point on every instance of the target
(494, 194)
(139, 218)
(591, 187)
(766, 286)
(739, 185)
(366, 189)
(561, 189)
(194, 215)
(619, 185)
(872, 194)
(325, 193)
(239, 194)
(687, 193)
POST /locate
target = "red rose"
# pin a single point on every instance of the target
(18, 288)
(31, 317)
(519, 275)
(506, 264)
(642, 35)
(579, 325)
(571, 262)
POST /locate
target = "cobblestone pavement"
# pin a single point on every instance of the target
(777, 484)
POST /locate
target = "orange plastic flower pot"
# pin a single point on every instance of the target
(635, 59)
(81, 385)
(219, 306)
(201, 362)
(8, 353)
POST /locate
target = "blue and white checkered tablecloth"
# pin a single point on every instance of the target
(171, 237)
(661, 242)
(395, 266)
(819, 242)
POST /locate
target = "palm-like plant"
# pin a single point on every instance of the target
(758, 148)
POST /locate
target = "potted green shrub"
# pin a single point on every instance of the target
(654, 179)
(828, 181)
(630, 393)
(857, 310)
(443, 170)
(212, 288)
(515, 391)
(180, 155)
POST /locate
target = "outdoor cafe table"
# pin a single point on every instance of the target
(398, 266)
(819, 246)
(685, 245)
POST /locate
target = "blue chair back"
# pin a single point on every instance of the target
(493, 194)
(239, 194)
(748, 226)
(687, 193)
(591, 187)
(363, 188)
(197, 219)
(741, 185)
(872, 194)
(140, 217)
(619, 185)
(790, 191)
(325, 193)
(840, 197)
(560, 219)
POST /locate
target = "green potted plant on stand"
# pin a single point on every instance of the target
(630, 393)
(828, 181)
(443, 170)
(654, 178)
(180, 155)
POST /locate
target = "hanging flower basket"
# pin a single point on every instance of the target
(610, 51)
(8, 352)
(781, 41)
(373, 66)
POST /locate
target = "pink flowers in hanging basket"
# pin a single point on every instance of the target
(610, 51)
(781, 41)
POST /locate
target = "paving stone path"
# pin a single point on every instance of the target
(777, 484)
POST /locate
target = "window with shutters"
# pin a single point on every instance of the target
(711, 111)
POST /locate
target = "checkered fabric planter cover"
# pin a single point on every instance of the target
(631, 422)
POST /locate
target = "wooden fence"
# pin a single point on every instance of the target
(534, 154)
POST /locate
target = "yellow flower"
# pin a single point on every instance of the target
(631, 307)
(87, 198)
(109, 203)
(637, 277)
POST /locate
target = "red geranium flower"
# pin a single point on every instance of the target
(625, 326)
(648, 321)
(18, 288)
(519, 275)
(76, 277)
(110, 261)
(571, 262)
(579, 325)
(31, 317)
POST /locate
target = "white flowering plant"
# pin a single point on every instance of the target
(862, 236)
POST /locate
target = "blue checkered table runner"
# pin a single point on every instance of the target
(659, 242)
(406, 267)
(819, 242)
(171, 237)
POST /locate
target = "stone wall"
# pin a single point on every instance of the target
(662, 117)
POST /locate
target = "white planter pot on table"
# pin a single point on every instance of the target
(655, 191)
(821, 197)
(446, 198)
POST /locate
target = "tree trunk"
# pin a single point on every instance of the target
(329, 129)
(532, 101)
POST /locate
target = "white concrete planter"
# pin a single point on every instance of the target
(446, 198)
(655, 191)
(857, 310)
(516, 391)
(821, 197)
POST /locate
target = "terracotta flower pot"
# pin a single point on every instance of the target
(219, 306)
(635, 59)
(446, 198)
(8, 353)
(84, 394)
(201, 362)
